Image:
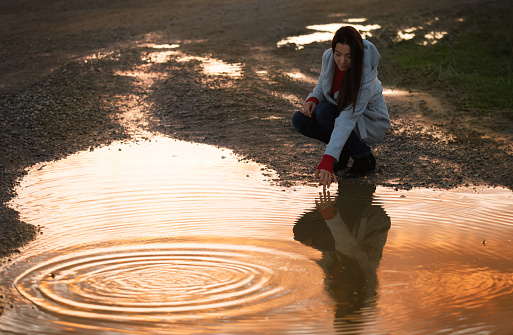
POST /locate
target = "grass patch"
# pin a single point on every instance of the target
(473, 63)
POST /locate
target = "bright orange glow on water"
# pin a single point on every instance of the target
(165, 236)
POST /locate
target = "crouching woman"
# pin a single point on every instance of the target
(346, 110)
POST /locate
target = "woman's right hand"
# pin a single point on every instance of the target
(308, 108)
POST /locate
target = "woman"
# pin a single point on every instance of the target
(346, 109)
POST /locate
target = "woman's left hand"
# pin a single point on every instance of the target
(325, 178)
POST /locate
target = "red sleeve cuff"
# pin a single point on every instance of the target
(314, 99)
(326, 163)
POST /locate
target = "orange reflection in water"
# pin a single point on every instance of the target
(196, 240)
(449, 261)
(164, 236)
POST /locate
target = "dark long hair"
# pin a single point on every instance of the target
(348, 92)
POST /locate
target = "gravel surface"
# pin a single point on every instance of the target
(77, 75)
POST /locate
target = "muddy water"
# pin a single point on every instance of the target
(168, 237)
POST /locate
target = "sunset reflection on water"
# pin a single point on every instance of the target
(192, 237)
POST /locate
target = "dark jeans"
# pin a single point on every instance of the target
(320, 126)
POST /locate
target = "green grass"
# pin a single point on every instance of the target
(473, 63)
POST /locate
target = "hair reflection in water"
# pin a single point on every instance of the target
(350, 232)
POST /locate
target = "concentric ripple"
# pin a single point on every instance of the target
(168, 237)
(168, 282)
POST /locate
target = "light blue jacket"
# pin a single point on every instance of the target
(370, 118)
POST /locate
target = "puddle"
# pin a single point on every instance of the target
(324, 32)
(429, 38)
(163, 236)
(163, 53)
(433, 37)
(214, 66)
(211, 66)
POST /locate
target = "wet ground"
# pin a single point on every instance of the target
(77, 76)
(136, 241)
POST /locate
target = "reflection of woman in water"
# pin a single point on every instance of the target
(346, 109)
(351, 233)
